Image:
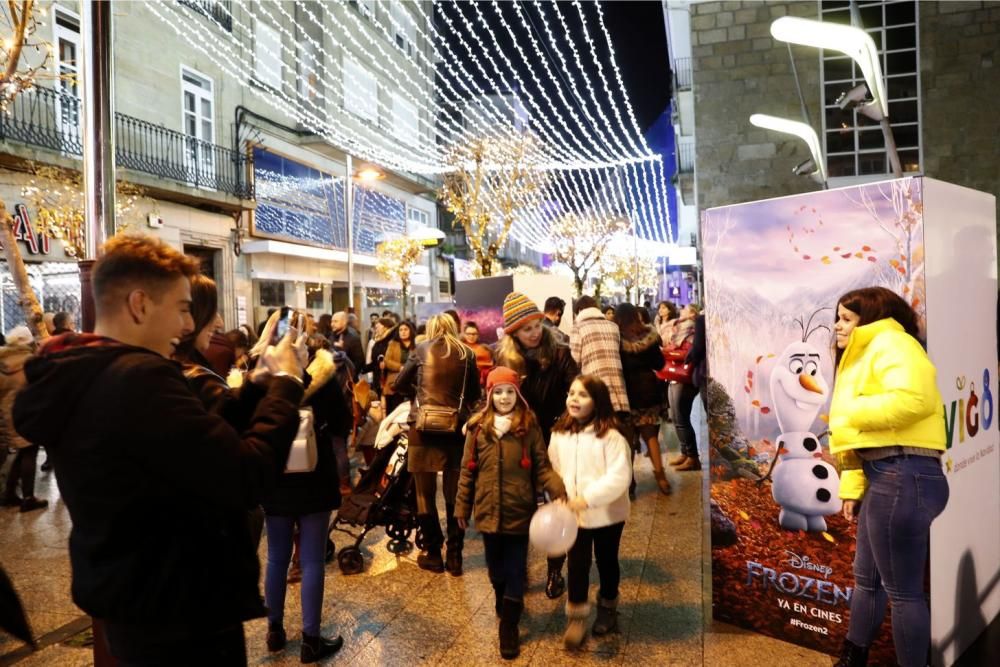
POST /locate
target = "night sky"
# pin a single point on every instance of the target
(639, 37)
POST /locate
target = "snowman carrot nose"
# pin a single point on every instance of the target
(809, 384)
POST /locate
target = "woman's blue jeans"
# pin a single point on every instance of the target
(905, 494)
(312, 560)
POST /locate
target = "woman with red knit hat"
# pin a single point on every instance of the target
(505, 456)
(546, 369)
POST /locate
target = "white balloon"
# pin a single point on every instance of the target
(553, 529)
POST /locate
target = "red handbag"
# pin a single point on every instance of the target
(674, 368)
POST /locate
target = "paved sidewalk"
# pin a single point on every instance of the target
(397, 614)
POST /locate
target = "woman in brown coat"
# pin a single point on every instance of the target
(505, 457)
(19, 348)
(396, 353)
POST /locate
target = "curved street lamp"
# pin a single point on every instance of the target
(802, 131)
(861, 48)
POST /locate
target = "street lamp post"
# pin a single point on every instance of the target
(349, 212)
(801, 130)
(859, 45)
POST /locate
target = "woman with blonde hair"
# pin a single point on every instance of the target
(441, 374)
(681, 395)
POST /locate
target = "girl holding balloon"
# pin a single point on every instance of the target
(504, 458)
(594, 461)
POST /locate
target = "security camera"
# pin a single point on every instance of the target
(857, 98)
(805, 168)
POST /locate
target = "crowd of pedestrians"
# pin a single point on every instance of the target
(178, 446)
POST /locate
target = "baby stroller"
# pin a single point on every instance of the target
(384, 497)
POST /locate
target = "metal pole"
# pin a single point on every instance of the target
(98, 144)
(349, 207)
(890, 147)
(98, 124)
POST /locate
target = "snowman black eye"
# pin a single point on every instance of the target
(812, 367)
(795, 366)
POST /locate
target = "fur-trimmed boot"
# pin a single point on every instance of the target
(431, 558)
(576, 624)
(607, 617)
(510, 617)
(852, 655)
(454, 544)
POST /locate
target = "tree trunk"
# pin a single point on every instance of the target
(15, 263)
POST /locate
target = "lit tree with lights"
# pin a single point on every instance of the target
(488, 185)
(580, 241)
(17, 75)
(631, 275)
(57, 197)
(396, 259)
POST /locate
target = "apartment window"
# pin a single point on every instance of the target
(267, 55)
(198, 111)
(308, 81)
(67, 64)
(405, 32)
(405, 120)
(360, 91)
(417, 217)
(366, 7)
(855, 145)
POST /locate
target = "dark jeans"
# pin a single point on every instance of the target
(166, 645)
(603, 544)
(507, 562)
(904, 495)
(23, 470)
(681, 400)
(312, 558)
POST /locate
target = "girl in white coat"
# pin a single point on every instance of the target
(594, 461)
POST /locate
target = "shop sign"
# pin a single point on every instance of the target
(36, 244)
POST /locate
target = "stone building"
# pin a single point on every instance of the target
(938, 59)
(233, 179)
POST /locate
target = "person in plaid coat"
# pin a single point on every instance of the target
(596, 347)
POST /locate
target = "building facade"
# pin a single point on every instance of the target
(938, 59)
(226, 175)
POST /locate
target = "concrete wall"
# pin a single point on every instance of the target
(739, 70)
(960, 82)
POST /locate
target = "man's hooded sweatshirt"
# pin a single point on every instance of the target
(157, 487)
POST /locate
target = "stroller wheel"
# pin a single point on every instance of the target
(399, 547)
(397, 531)
(350, 560)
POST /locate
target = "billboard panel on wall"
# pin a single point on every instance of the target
(774, 270)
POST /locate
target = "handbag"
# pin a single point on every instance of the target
(303, 455)
(440, 418)
(675, 369)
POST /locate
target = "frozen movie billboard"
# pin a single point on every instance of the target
(774, 269)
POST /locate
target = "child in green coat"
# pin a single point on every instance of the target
(505, 458)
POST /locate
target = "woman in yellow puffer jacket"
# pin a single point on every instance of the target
(887, 431)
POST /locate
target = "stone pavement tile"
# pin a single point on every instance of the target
(729, 646)
(552, 657)
(63, 656)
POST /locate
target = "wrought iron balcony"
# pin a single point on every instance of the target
(683, 74)
(217, 11)
(50, 119)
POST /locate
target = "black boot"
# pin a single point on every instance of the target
(275, 637)
(556, 585)
(510, 617)
(431, 558)
(607, 617)
(498, 593)
(456, 540)
(316, 648)
(852, 655)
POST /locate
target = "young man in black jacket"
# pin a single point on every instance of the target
(157, 487)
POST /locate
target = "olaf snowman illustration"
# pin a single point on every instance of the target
(804, 485)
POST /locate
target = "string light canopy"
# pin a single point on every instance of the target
(403, 84)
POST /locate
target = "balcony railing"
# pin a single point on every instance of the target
(683, 77)
(685, 158)
(218, 11)
(50, 119)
